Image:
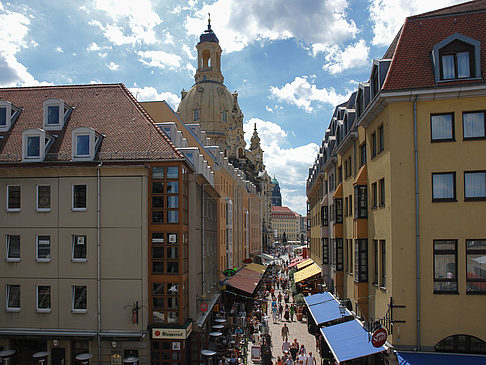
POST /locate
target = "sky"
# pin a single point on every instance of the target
(291, 62)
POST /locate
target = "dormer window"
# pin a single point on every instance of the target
(8, 115)
(35, 143)
(85, 142)
(456, 57)
(56, 112)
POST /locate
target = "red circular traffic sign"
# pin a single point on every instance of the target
(204, 307)
(379, 337)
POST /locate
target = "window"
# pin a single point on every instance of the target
(350, 206)
(324, 217)
(375, 262)
(43, 198)
(381, 139)
(158, 303)
(13, 198)
(79, 246)
(82, 145)
(338, 252)
(445, 266)
(442, 127)
(475, 185)
(8, 115)
(475, 262)
(43, 248)
(374, 195)
(444, 186)
(80, 299)
(362, 155)
(456, 65)
(33, 146)
(224, 115)
(461, 344)
(382, 192)
(196, 115)
(56, 112)
(383, 263)
(13, 298)
(361, 260)
(43, 298)
(473, 125)
(325, 251)
(340, 174)
(79, 197)
(373, 145)
(339, 210)
(3, 116)
(13, 248)
(360, 201)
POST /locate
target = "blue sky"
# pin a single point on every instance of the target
(291, 62)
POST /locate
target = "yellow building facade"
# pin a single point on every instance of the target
(408, 250)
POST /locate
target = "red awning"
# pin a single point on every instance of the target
(245, 280)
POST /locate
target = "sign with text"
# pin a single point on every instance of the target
(378, 338)
(171, 333)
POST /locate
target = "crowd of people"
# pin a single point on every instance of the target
(274, 297)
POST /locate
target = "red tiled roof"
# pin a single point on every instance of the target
(129, 132)
(412, 66)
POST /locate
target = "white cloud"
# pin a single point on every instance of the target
(149, 93)
(354, 55)
(311, 21)
(113, 66)
(160, 59)
(388, 16)
(59, 49)
(132, 21)
(188, 51)
(289, 165)
(306, 95)
(14, 29)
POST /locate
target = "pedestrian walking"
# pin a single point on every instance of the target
(280, 311)
(287, 312)
(294, 349)
(285, 332)
(274, 313)
(292, 311)
(286, 346)
(311, 360)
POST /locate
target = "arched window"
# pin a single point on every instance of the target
(240, 153)
(206, 58)
(462, 344)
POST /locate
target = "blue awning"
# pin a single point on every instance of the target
(324, 307)
(349, 340)
(419, 358)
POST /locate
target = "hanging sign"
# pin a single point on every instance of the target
(378, 338)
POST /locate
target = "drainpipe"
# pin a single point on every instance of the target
(202, 239)
(98, 258)
(417, 222)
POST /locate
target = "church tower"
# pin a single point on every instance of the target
(256, 151)
(210, 104)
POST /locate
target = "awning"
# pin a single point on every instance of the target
(324, 307)
(266, 257)
(434, 358)
(307, 273)
(349, 340)
(132, 334)
(202, 318)
(304, 263)
(46, 332)
(245, 280)
(338, 194)
(255, 267)
(362, 178)
(295, 263)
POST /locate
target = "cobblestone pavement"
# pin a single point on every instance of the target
(297, 329)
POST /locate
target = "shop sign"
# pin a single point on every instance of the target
(378, 338)
(116, 359)
(171, 333)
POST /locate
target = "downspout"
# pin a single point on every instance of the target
(202, 240)
(98, 259)
(417, 221)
